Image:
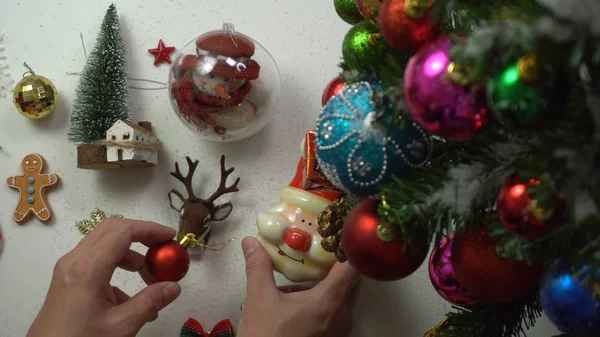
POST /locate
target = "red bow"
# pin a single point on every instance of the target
(192, 328)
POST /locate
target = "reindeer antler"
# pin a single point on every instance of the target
(223, 189)
(187, 180)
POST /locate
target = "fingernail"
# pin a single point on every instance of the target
(171, 291)
(248, 246)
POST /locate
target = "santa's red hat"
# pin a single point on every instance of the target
(314, 200)
(228, 47)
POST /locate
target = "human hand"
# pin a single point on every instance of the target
(81, 301)
(325, 310)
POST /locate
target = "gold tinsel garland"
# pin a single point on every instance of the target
(331, 223)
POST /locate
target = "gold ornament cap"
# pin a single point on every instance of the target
(458, 74)
(188, 241)
(416, 8)
(529, 70)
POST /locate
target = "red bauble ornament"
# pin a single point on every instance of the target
(333, 88)
(168, 261)
(374, 258)
(487, 276)
(404, 29)
(522, 214)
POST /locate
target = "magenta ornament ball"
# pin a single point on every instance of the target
(449, 110)
(443, 278)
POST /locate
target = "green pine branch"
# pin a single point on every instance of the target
(497, 320)
(102, 97)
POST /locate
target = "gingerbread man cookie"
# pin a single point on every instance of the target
(32, 186)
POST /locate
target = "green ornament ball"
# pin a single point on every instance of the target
(514, 102)
(361, 45)
(348, 11)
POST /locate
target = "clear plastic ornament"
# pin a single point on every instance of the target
(224, 85)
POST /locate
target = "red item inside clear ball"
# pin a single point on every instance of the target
(224, 85)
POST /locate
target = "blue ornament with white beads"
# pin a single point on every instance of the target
(356, 153)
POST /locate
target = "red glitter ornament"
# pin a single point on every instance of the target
(522, 214)
(333, 88)
(373, 257)
(406, 24)
(168, 261)
(487, 276)
(161, 53)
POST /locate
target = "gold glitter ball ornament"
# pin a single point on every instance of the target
(35, 97)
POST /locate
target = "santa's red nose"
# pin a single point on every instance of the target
(297, 239)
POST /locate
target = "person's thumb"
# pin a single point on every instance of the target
(145, 305)
(260, 281)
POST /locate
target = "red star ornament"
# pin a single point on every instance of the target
(161, 54)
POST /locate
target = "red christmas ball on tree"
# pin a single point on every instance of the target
(487, 276)
(168, 261)
(373, 257)
(521, 213)
(406, 24)
(333, 88)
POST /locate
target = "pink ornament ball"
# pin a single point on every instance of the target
(440, 106)
(443, 278)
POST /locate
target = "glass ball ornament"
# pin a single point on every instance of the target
(356, 152)
(224, 85)
(439, 102)
(570, 296)
(348, 11)
(35, 96)
(521, 213)
(443, 277)
(362, 44)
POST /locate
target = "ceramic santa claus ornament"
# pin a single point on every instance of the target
(289, 233)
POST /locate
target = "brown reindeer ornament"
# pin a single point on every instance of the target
(197, 214)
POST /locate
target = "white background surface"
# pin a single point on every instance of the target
(305, 38)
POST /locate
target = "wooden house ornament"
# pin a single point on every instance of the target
(126, 145)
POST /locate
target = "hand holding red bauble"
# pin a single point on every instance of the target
(522, 214)
(487, 276)
(168, 261)
(406, 24)
(373, 257)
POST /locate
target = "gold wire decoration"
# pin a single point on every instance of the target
(439, 330)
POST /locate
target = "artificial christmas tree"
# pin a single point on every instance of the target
(102, 99)
(508, 89)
